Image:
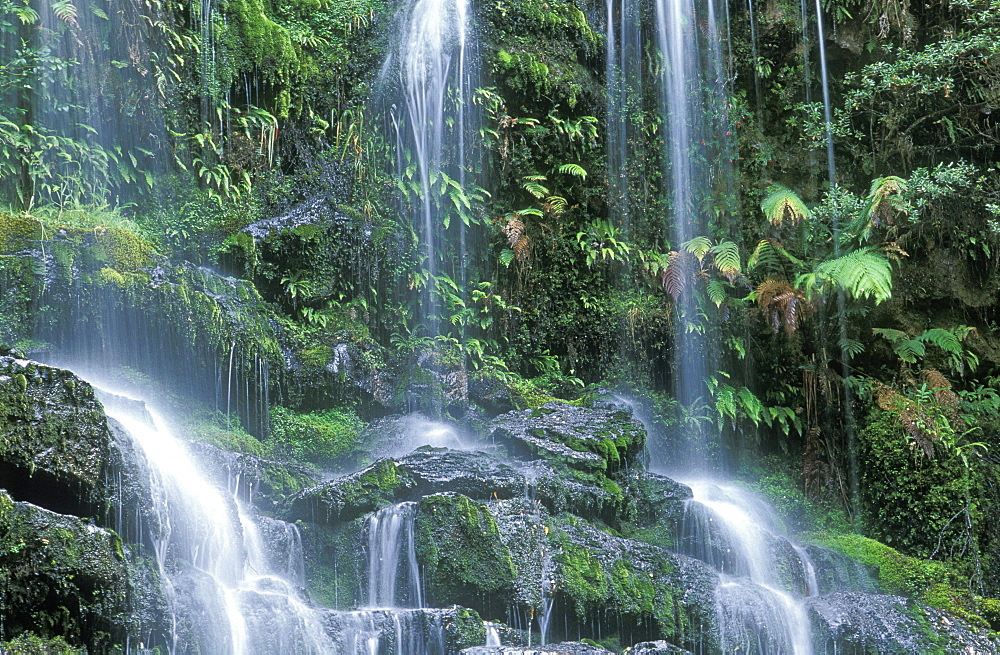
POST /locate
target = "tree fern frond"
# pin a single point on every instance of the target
(783, 204)
(535, 189)
(698, 246)
(943, 339)
(673, 277)
(886, 198)
(65, 11)
(573, 169)
(726, 257)
(863, 273)
(716, 292)
(763, 256)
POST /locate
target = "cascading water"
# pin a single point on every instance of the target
(225, 594)
(432, 118)
(736, 534)
(692, 102)
(392, 558)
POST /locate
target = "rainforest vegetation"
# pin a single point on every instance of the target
(214, 188)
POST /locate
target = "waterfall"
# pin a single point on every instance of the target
(759, 610)
(692, 103)
(392, 558)
(432, 122)
(226, 594)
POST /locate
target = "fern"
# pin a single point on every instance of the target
(698, 246)
(535, 189)
(716, 292)
(506, 257)
(726, 257)
(673, 278)
(906, 348)
(763, 256)
(885, 199)
(781, 304)
(943, 339)
(863, 273)
(65, 11)
(783, 204)
(573, 169)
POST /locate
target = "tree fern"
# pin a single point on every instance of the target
(863, 273)
(698, 246)
(673, 277)
(726, 257)
(886, 198)
(783, 204)
(574, 169)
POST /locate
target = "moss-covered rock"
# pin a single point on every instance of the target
(601, 440)
(55, 446)
(61, 576)
(461, 556)
(425, 471)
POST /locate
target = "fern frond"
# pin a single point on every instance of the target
(535, 189)
(698, 246)
(863, 273)
(763, 256)
(943, 339)
(716, 292)
(781, 304)
(726, 257)
(673, 277)
(574, 169)
(65, 11)
(783, 204)
(885, 199)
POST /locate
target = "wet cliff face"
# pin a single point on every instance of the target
(64, 571)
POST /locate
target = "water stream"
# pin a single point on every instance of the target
(764, 576)
(225, 593)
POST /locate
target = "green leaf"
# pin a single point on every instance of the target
(573, 169)
(783, 204)
(863, 273)
(698, 246)
(716, 292)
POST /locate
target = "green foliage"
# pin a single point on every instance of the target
(863, 273)
(782, 204)
(322, 438)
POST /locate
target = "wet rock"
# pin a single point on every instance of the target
(462, 558)
(60, 575)
(405, 630)
(265, 483)
(564, 648)
(423, 472)
(655, 648)
(585, 493)
(55, 446)
(589, 439)
(891, 624)
(588, 572)
(652, 499)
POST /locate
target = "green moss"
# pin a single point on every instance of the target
(17, 231)
(322, 437)
(461, 556)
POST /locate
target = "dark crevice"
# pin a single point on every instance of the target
(46, 491)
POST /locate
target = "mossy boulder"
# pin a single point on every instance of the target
(61, 576)
(601, 440)
(334, 564)
(55, 446)
(425, 471)
(858, 622)
(461, 555)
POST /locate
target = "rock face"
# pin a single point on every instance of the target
(55, 446)
(425, 471)
(61, 576)
(892, 624)
(597, 440)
